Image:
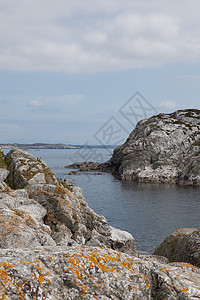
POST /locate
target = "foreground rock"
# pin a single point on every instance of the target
(164, 148)
(53, 246)
(182, 246)
(92, 273)
(45, 214)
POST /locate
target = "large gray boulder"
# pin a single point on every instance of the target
(92, 273)
(163, 148)
(181, 246)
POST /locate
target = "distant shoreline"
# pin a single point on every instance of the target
(36, 146)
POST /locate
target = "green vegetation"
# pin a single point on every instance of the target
(61, 182)
(2, 160)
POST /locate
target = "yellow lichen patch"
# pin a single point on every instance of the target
(24, 262)
(166, 271)
(6, 265)
(40, 278)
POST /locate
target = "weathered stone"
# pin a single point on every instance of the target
(21, 222)
(26, 169)
(72, 220)
(4, 187)
(163, 148)
(181, 246)
(3, 174)
(68, 182)
(88, 166)
(92, 273)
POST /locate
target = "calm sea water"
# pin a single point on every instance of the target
(150, 212)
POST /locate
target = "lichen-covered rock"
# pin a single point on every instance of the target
(92, 273)
(163, 148)
(26, 169)
(21, 222)
(72, 220)
(45, 214)
(175, 281)
(181, 246)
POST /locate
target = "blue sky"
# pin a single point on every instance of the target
(67, 67)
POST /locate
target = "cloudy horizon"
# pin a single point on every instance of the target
(67, 67)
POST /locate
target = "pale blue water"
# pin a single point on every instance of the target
(150, 212)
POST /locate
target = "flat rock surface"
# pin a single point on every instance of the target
(92, 273)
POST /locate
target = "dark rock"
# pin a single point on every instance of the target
(181, 246)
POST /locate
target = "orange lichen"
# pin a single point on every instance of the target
(40, 278)
(24, 262)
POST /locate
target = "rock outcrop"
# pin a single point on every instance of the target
(181, 246)
(93, 273)
(164, 148)
(26, 169)
(54, 246)
(48, 211)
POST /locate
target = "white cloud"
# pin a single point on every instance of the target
(169, 105)
(35, 104)
(90, 36)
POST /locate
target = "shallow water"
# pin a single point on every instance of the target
(150, 212)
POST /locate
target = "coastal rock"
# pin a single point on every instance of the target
(3, 174)
(66, 218)
(163, 148)
(4, 187)
(88, 166)
(72, 221)
(26, 169)
(181, 246)
(21, 222)
(92, 273)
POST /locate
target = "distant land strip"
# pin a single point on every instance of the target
(52, 146)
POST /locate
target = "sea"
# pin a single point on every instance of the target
(150, 212)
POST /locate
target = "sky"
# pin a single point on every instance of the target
(85, 72)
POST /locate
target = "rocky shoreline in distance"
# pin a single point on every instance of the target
(54, 246)
(162, 149)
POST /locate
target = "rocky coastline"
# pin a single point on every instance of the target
(54, 246)
(163, 149)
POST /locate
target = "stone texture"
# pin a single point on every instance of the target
(26, 169)
(3, 174)
(21, 222)
(92, 273)
(163, 148)
(72, 221)
(54, 246)
(45, 214)
(181, 246)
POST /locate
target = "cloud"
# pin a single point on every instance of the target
(35, 104)
(80, 36)
(169, 105)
